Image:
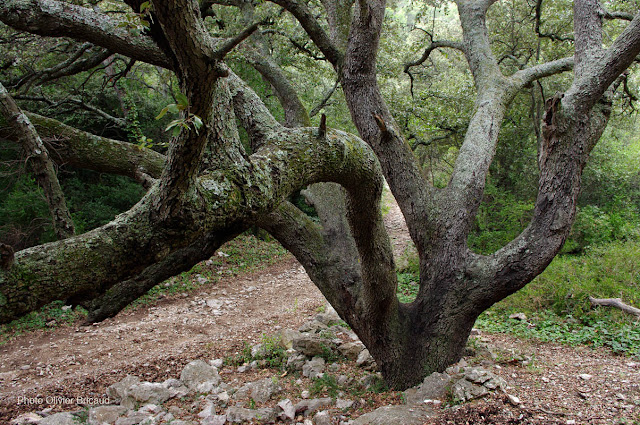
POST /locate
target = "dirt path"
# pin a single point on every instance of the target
(156, 342)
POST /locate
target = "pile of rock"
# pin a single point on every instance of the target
(309, 350)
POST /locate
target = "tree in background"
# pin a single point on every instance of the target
(209, 186)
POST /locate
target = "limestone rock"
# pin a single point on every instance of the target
(296, 361)
(176, 387)
(313, 368)
(64, 418)
(311, 345)
(198, 372)
(118, 390)
(329, 316)
(105, 414)
(343, 404)
(133, 418)
(145, 393)
(287, 336)
(212, 420)
(241, 415)
(365, 360)
(518, 316)
(260, 391)
(322, 418)
(26, 418)
(434, 386)
(464, 390)
(351, 350)
(312, 326)
(288, 411)
(386, 415)
(307, 407)
(484, 377)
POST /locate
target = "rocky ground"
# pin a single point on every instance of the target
(71, 368)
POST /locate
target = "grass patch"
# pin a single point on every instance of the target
(607, 271)
(51, 316)
(621, 337)
(557, 301)
(407, 286)
(326, 384)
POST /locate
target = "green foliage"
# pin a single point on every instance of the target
(24, 214)
(272, 352)
(48, 317)
(565, 286)
(501, 217)
(300, 202)
(558, 301)
(407, 286)
(621, 337)
(187, 121)
(326, 384)
(95, 199)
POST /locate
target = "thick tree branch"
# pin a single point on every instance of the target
(57, 19)
(596, 78)
(313, 28)
(80, 149)
(616, 15)
(572, 125)
(41, 164)
(123, 293)
(225, 47)
(527, 76)
(108, 255)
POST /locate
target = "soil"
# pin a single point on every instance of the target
(155, 342)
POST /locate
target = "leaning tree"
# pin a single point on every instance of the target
(208, 187)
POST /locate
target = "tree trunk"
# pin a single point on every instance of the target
(41, 165)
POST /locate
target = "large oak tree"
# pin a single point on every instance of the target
(208, 187)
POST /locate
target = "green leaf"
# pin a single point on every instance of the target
(182, 100)
(173, 108)
(197, 122)
(163, 112)
(173, 124)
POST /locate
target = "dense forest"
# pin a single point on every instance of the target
(295, 56)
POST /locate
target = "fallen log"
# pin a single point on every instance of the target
(617, 303)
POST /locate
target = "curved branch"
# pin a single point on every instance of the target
(313, 28)
(601, 73)
(433, 46)
(73, 65)
(617, 15)
(222, 199)
(527, 76)
(57, 19)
